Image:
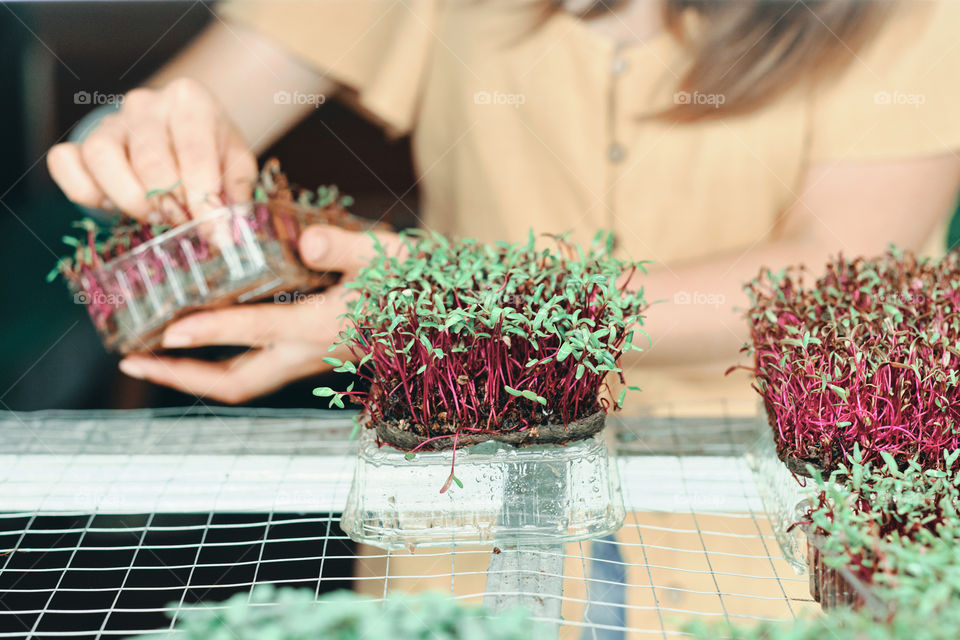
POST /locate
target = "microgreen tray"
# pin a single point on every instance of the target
(835, 587)
(238, 254)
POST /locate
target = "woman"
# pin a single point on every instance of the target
(713, 138)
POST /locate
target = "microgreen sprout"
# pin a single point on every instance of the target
(868, 354)
(839, 624)
(456, 337)
(298, 614)
(895, 527)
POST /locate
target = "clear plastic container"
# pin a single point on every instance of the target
(542, 494)
(836, 587)
(780, 492)
(239, 254)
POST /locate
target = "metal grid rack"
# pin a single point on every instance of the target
(111, 522)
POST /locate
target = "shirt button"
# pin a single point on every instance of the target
(619, 66)
(616, 153)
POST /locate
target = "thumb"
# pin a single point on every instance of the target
(326, 248)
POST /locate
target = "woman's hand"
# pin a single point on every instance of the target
(177, 138)
(287, 341)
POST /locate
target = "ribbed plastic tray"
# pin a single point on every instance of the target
(238, 254)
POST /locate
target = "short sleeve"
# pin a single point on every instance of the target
(378, 48)
(900, 96)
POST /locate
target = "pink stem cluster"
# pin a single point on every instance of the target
(869, 355)
(465, 390)
(87, 274)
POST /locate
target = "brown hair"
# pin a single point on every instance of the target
(751, 52)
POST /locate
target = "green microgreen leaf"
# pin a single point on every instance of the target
(448, 333)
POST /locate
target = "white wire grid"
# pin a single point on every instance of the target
(112, 522)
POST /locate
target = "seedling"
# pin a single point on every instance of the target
(868, 355)
(298, 614)
(841, 624)
(896, 528)
(460, 342)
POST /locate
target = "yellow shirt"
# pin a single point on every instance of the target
(520, 118)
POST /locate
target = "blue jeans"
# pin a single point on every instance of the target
(606, 592)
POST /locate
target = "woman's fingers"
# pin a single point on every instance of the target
(315, 317)
(239, 167)
(70, 173)
(104, 153)
(195, 126)
(176, 139)
(151, 154)
(326, 248)
(236, 380)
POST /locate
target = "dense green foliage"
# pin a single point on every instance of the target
(841, 624)
(896, 527)
(297, 614)
(458, 335)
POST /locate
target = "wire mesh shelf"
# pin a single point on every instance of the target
(111, 522)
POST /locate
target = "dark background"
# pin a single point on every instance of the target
(51, 356)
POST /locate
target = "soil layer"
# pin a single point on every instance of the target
(798, 466)
(398, 434)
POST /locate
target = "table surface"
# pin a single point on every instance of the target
(112, 522)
